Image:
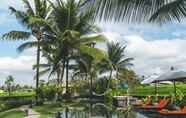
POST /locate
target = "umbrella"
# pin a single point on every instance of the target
(150, 80)
(172, 76)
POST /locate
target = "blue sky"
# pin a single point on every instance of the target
(154, 48)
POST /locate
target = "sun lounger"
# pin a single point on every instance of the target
(173, 112)
(162, 104)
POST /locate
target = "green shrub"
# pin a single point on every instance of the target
(14, 102)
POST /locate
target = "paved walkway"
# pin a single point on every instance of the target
(31, 113)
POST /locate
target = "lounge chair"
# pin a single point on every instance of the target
(141, 102)
(162, 104)
(174, 112)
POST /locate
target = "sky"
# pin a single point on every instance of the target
(154, 48)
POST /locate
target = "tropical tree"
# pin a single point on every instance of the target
(128, 76)
(139, 10)
(87, 66)
(9, 83)
(32, 19)
(68, 36)
(116, 61)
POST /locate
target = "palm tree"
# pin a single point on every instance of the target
(116, 61)
(117, 58)
(69, 32)
(74, 45)
(9, 81)
(130, 77)
(139, 10)
(31, 18)
(87, 66)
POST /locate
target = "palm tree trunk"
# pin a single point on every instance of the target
(58, 83)
(67, 67)
(58, 77)
(9, 91)
(62, 72)
(37, 71)
(117, 73)
(91, 85)
(110, 77)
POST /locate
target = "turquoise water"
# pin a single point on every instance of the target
(100, 110)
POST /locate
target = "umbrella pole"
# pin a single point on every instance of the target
(155, 88)
(174, 88)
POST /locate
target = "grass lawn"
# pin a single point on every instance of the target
(14, 113)
(146, 90)
(17, 94)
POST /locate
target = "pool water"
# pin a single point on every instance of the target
(100, 110)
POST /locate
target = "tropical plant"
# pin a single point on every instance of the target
(128, 76)
(31, 18)
(9, 83)
(87, 66)
(68, 36)
(160, 11)
(116, 61)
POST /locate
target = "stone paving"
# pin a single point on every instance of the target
(31, 113)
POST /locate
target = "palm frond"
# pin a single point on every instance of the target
(41, 66)
(34, 21)
(175, 10)
(28, 7)
(43, 72)
(27, 45)
(21, 16)
(126, 10)
(126, 63)
(94, 52)
(90, 39)
(16, 35)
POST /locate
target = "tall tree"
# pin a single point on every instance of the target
(9, 83)
(31, 18)
(69, 32)
(116, 60)
(128, 76)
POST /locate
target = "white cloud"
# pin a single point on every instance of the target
(156, 56)
(20, 67)
(154, 48)
(112, 36)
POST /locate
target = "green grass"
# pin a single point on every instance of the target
(18, 94)
(15, 113)
(162, 90)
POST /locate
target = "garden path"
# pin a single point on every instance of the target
(30, 112)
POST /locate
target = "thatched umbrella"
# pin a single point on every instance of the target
(151, 80)
(172, 76)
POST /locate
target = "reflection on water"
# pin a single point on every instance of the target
(102, 111)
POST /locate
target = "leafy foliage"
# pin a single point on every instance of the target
(139, 10)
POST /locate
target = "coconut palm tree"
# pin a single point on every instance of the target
(30, 18)
(9, 83)
(87, 66)
(69, 33)
(75, 45)
(139, 10)
(128, 76)
(116, 60)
